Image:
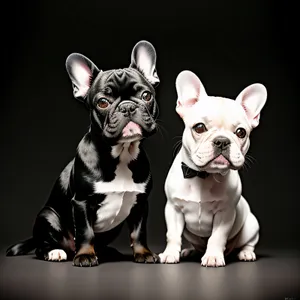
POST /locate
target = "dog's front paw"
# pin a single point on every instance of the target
(247, 255)
(213, 259)
(146, 257)
(85, 260)
(169, 257)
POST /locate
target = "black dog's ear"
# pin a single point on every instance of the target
(82, 72)
(143, 58)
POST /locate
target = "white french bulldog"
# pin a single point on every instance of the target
(203, 186)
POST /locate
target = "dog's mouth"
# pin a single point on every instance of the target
(131, 132)
(222, 162)
(219, 161)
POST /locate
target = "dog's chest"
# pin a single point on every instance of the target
(114, 210)
(123, 182)
(120, 197)
(199, 214)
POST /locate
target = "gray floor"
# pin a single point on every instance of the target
(275, 275)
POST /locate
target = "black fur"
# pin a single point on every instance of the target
(68, 218)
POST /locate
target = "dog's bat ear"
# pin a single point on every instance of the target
(253, 99)
(82, 72)
(143, 58)
(189, 91)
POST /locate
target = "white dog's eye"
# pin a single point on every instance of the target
(240, 132)
(199, 128)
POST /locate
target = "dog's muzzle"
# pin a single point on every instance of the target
(221, 146)
(221, 143)
(127, 108)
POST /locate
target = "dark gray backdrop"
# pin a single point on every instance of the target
(229, 45)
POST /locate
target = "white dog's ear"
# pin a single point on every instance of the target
(189, 91)
(143, 58)
(253, 99)
(82, 72)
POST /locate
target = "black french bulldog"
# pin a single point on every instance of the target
(109, 179)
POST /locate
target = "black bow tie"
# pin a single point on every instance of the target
(190, 173)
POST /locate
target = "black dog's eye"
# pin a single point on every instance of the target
(199, 128)
(147, 96)
(103, 103)
(240, 132)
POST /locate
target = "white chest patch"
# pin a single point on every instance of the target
(121, 192)
(123, 182)
(114, 210)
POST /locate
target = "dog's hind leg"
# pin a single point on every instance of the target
(186, 252)
(248, 238)
(54, 243)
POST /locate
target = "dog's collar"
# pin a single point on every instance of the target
(190, 173)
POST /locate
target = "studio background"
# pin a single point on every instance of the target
(229, 45)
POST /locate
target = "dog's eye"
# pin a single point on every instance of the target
(199, 128)
(103, 103)
(146, 96)
(240, 132)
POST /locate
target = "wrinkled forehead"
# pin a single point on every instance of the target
(121, 80)
(216, 112)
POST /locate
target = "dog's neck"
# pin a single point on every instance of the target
(125, 151)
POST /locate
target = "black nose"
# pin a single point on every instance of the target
(127, 108)
(221, 142)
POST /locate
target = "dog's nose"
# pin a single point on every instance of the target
(221, 142)
(127, 108)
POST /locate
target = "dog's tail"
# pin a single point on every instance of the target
(21, 248)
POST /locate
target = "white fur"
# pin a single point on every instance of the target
(126, 151)
(211, 213)
(123, 182)
(57, 255)
(114, 210)
(121, 192)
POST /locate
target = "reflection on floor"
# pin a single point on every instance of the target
(275, 275)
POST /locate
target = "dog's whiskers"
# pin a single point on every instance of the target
(250, 158)
(177, 145)
(247, 165)
(161, 130)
